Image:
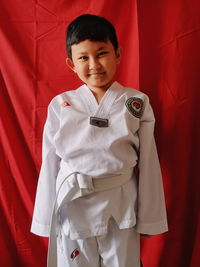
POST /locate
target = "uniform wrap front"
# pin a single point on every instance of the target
(101, 152)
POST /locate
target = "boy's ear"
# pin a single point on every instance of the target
(70, 64)
(119, 54)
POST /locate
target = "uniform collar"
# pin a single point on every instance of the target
(103, 108)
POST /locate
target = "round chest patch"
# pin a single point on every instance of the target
(135, 106)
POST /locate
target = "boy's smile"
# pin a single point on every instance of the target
(95, 63)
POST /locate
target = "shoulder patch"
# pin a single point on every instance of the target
(135, 106)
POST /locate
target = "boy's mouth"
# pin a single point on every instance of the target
(96, 73)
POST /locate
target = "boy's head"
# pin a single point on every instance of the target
(93, 52)
(90, 27)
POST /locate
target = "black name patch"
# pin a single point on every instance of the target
(99, 122)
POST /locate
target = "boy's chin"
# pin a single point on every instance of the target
(99, 86)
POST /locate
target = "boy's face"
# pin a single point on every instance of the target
(95, 63)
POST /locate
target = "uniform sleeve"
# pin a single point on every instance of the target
(46, 188)
(151, 215)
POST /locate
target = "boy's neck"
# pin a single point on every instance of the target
(99, 92)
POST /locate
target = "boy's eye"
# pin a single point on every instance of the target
(102, 53)
(83, 58)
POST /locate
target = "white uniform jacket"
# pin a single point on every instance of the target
(98, 151)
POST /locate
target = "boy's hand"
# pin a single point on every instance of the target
(145, 236)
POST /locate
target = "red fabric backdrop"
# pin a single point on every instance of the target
(161, 57)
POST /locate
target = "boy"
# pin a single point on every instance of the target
(95, 138)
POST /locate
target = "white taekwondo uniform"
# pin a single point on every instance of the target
(127, 140)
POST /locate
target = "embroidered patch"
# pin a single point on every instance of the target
(65, 104)
(74, 254)
(135, 106)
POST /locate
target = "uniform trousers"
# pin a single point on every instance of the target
(117, 248)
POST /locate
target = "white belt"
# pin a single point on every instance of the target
(77, 185)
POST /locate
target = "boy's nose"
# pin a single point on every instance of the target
(94, 64)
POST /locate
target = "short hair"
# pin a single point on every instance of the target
(90, 27)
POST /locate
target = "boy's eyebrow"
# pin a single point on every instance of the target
(99, 49)
(102, 48)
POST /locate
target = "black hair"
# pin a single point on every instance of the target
(90, 27)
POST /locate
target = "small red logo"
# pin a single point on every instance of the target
(100, 123)
(74, 254)
(137, 105)
(65, 104)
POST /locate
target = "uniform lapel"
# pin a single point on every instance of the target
(102, 109)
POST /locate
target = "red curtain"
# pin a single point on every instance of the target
(161, 57)
(169, 35)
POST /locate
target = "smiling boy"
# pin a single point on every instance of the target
(90, 200)
(95, 64)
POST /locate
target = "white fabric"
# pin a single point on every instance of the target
(73, 186)
(89, 220)
(118, 248)
(101, 152)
